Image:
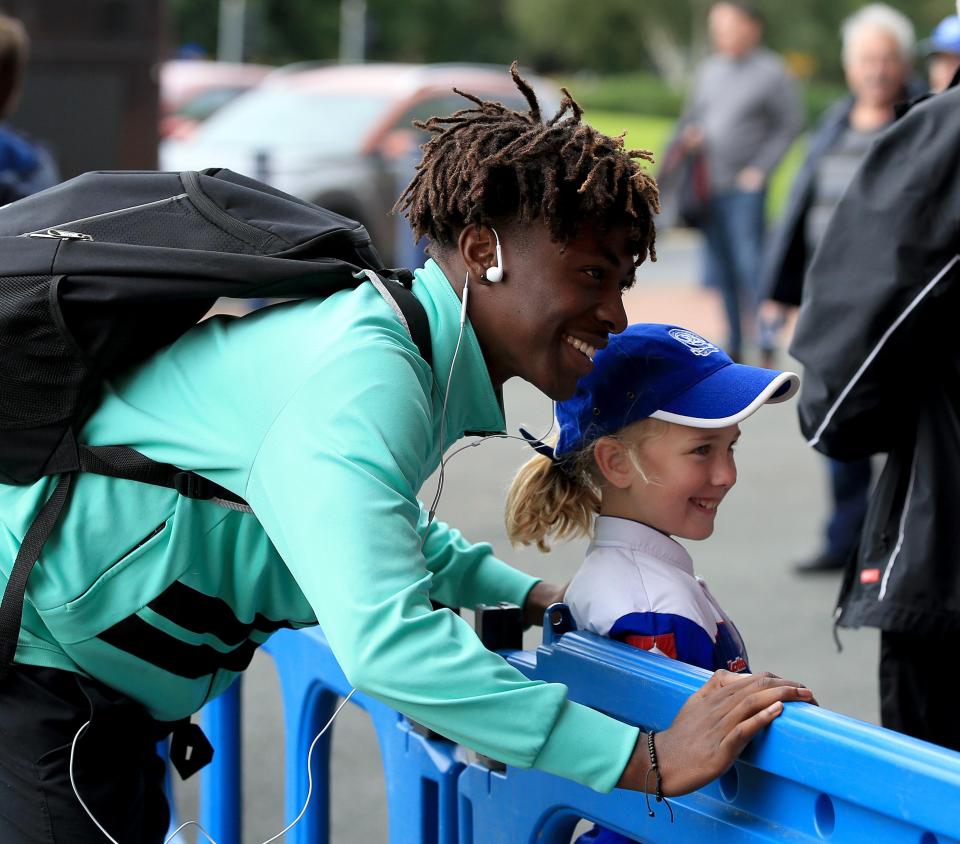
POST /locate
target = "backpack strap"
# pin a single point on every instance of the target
(11, 607)
(119, 461)
(116, 461)
(407, 307)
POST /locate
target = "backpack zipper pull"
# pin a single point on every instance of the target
(60, 234)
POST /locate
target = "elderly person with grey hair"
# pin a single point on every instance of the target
(878, 44)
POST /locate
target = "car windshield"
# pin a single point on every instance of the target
(203, 105)
(328, 123)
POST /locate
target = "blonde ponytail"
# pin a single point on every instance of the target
(545, 500)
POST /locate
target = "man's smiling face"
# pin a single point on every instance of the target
(556, 305)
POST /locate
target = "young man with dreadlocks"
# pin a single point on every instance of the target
(324, 417)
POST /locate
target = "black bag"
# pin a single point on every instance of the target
(684, 182)
(101, 271)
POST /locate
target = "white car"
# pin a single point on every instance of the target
(342, 136)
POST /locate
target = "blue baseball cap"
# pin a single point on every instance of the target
(945, 37)
(664, 372)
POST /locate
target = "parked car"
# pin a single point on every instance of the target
(193, 89)
(342, 136)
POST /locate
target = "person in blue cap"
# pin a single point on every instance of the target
(942, 50)
(645, 454)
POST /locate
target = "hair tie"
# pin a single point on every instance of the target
(539, 446)
(564, 464)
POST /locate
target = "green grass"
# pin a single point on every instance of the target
(643, 131)
(653, 133)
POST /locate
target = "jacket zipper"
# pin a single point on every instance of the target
(145, 540)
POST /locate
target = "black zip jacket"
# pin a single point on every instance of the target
(879, 340)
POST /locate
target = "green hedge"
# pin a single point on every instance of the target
(648, 94)
(640, 93)
(653, 132)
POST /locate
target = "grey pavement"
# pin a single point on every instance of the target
(771, 519)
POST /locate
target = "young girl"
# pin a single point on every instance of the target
(645, 454)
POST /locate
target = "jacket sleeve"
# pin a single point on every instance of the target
(334, 485)
(786, 121)
(464, 574)
(787, 253)
(786, 257)
(672, 635)
(867, 334)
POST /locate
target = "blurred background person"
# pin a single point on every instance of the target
(25, 166)
(743, 112)
(942, 50)
(878, 45)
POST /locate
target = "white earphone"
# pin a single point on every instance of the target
(495, 273)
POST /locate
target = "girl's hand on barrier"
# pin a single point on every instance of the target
(711, 729)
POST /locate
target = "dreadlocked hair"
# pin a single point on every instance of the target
(487, 163)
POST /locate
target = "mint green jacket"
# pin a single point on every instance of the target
(323, 416)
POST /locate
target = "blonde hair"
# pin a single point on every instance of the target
(548, 500)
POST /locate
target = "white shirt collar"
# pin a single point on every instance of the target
(612, 530)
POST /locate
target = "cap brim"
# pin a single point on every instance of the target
(729, 396)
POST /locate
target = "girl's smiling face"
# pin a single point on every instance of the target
(672, 481)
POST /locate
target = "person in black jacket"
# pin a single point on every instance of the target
(876, 334)
(878, 42)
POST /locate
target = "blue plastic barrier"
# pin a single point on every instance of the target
(420, 773)
(813, 776)
(220, 781)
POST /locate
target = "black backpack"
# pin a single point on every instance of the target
(101, 271)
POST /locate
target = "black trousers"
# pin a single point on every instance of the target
(918, 686)
(116, 767)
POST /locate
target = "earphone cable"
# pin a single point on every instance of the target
(432, 512)
(313, 744)
(73, 784)
(447, 458)
(179, 829)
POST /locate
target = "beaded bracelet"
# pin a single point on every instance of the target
(654, 769)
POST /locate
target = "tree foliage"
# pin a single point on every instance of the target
(603, 36)
(280, 31)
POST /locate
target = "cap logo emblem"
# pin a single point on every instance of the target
(694, 342)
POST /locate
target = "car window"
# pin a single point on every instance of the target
(430, 107)
(449, 103)
(203, 105)
(272, 116)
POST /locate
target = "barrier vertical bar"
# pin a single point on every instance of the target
(221, 809)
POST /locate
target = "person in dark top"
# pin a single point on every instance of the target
(743, 113)
(888, 382)
(878, 43)
(25, 166)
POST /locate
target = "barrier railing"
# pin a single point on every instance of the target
(813, 776)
